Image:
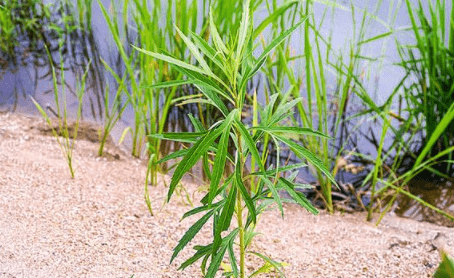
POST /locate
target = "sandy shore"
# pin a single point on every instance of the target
(97, 225)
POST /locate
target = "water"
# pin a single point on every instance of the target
(380, 76)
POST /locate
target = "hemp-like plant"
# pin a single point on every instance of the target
(244, 194)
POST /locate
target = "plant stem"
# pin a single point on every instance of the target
(240, 226)
(240, 209)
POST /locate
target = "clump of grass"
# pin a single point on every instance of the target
(231, 194)
(428, 113)
(65, 139)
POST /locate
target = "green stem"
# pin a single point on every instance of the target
(240, 211)
(240, 226)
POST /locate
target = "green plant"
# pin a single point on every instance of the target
(446, 267)
(114, 113)
(232, 194)
(65, 138)
(428, 114)
(324, 109)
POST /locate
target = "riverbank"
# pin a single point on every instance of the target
(98, 225)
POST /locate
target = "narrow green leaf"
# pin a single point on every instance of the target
(191, 158)
(216, 56)
(275, 264)
(216, 262)
(171, 60)
(173, 155)
(292, 130)
(219, 163)
(243, 30)
(225, 219)
(298, 196)
(195, 52)
(274, 16)
(242, 188)
(203, 208)
(271, 186)
(250, 144)
(179, 136)
(308, 155)
(201, 251)
(174, 83)
(190, 234)
(215, 35)
(270, 173)
(273, 44)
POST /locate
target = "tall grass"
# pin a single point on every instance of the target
(422, 143)
(324, 109)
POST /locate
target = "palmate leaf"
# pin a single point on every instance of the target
(196, 151)
(297, 196)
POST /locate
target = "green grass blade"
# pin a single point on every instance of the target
(274, 16)
(174, 83)
(445, 121)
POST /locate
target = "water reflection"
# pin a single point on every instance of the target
(439, 195)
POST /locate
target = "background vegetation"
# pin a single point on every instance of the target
(323, 87)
